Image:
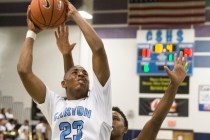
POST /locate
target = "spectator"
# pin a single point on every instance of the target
(9, 114)
(10, 125)
(3, 113)
(3, 121)
(24, 131)
(41, 128)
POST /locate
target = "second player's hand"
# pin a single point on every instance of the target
(180, 67)
(62, 39)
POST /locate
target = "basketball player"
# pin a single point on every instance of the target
(120, 123)
(151, 128)
(85, 114)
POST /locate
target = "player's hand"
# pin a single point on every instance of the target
(62, 39)
(31, 25)
(71, 10)
(180, 67)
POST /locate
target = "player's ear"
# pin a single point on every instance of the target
(125, 130)
(63, 84)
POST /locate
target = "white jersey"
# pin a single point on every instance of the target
(85, 119)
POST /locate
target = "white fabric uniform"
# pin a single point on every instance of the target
(85, 119)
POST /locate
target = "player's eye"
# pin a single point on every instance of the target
(85, 73)
(74, 73)
(115, 118)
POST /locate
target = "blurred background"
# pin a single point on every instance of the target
(139, 40)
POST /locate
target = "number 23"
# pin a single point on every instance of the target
(65, 127)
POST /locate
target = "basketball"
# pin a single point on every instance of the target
(48, 13)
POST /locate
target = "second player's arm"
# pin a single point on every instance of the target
(64, 46)
(150, 130)
(68, 62)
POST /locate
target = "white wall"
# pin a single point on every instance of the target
(125, 83)
(47, 63)
(121, 53)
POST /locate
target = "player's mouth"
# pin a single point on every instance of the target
(81, 80)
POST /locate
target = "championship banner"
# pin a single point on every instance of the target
(179, 107)
(204, 98)
(158, 84)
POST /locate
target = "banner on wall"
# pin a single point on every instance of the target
(158, 84)
(179, 107)
(204, 97)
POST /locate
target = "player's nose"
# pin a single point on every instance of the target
(81, 74)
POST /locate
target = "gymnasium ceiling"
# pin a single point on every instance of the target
(106, 13)
(13, 12)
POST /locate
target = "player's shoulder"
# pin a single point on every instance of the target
(54, 97)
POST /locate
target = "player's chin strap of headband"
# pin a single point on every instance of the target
(31, 34)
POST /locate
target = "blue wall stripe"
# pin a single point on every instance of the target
(202, 31)
(117, 32)
(202, 61)
(131, 134)
(201, 136)
(202, 46)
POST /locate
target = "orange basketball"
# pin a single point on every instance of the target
(48, 13)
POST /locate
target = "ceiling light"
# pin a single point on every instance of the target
(85, 15)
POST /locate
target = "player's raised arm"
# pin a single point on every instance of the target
(34, 86)
(150, 130)
(100, 62)
(62, 39)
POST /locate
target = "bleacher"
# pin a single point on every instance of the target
(20, 113)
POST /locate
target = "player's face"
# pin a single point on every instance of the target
(77, 80)
(118, 126)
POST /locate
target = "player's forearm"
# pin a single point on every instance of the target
(25, 61)
(100, 62)
(165, 103)
(154, 124)
(90, 35)
(68, 62)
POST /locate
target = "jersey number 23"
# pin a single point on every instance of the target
(66, 129)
